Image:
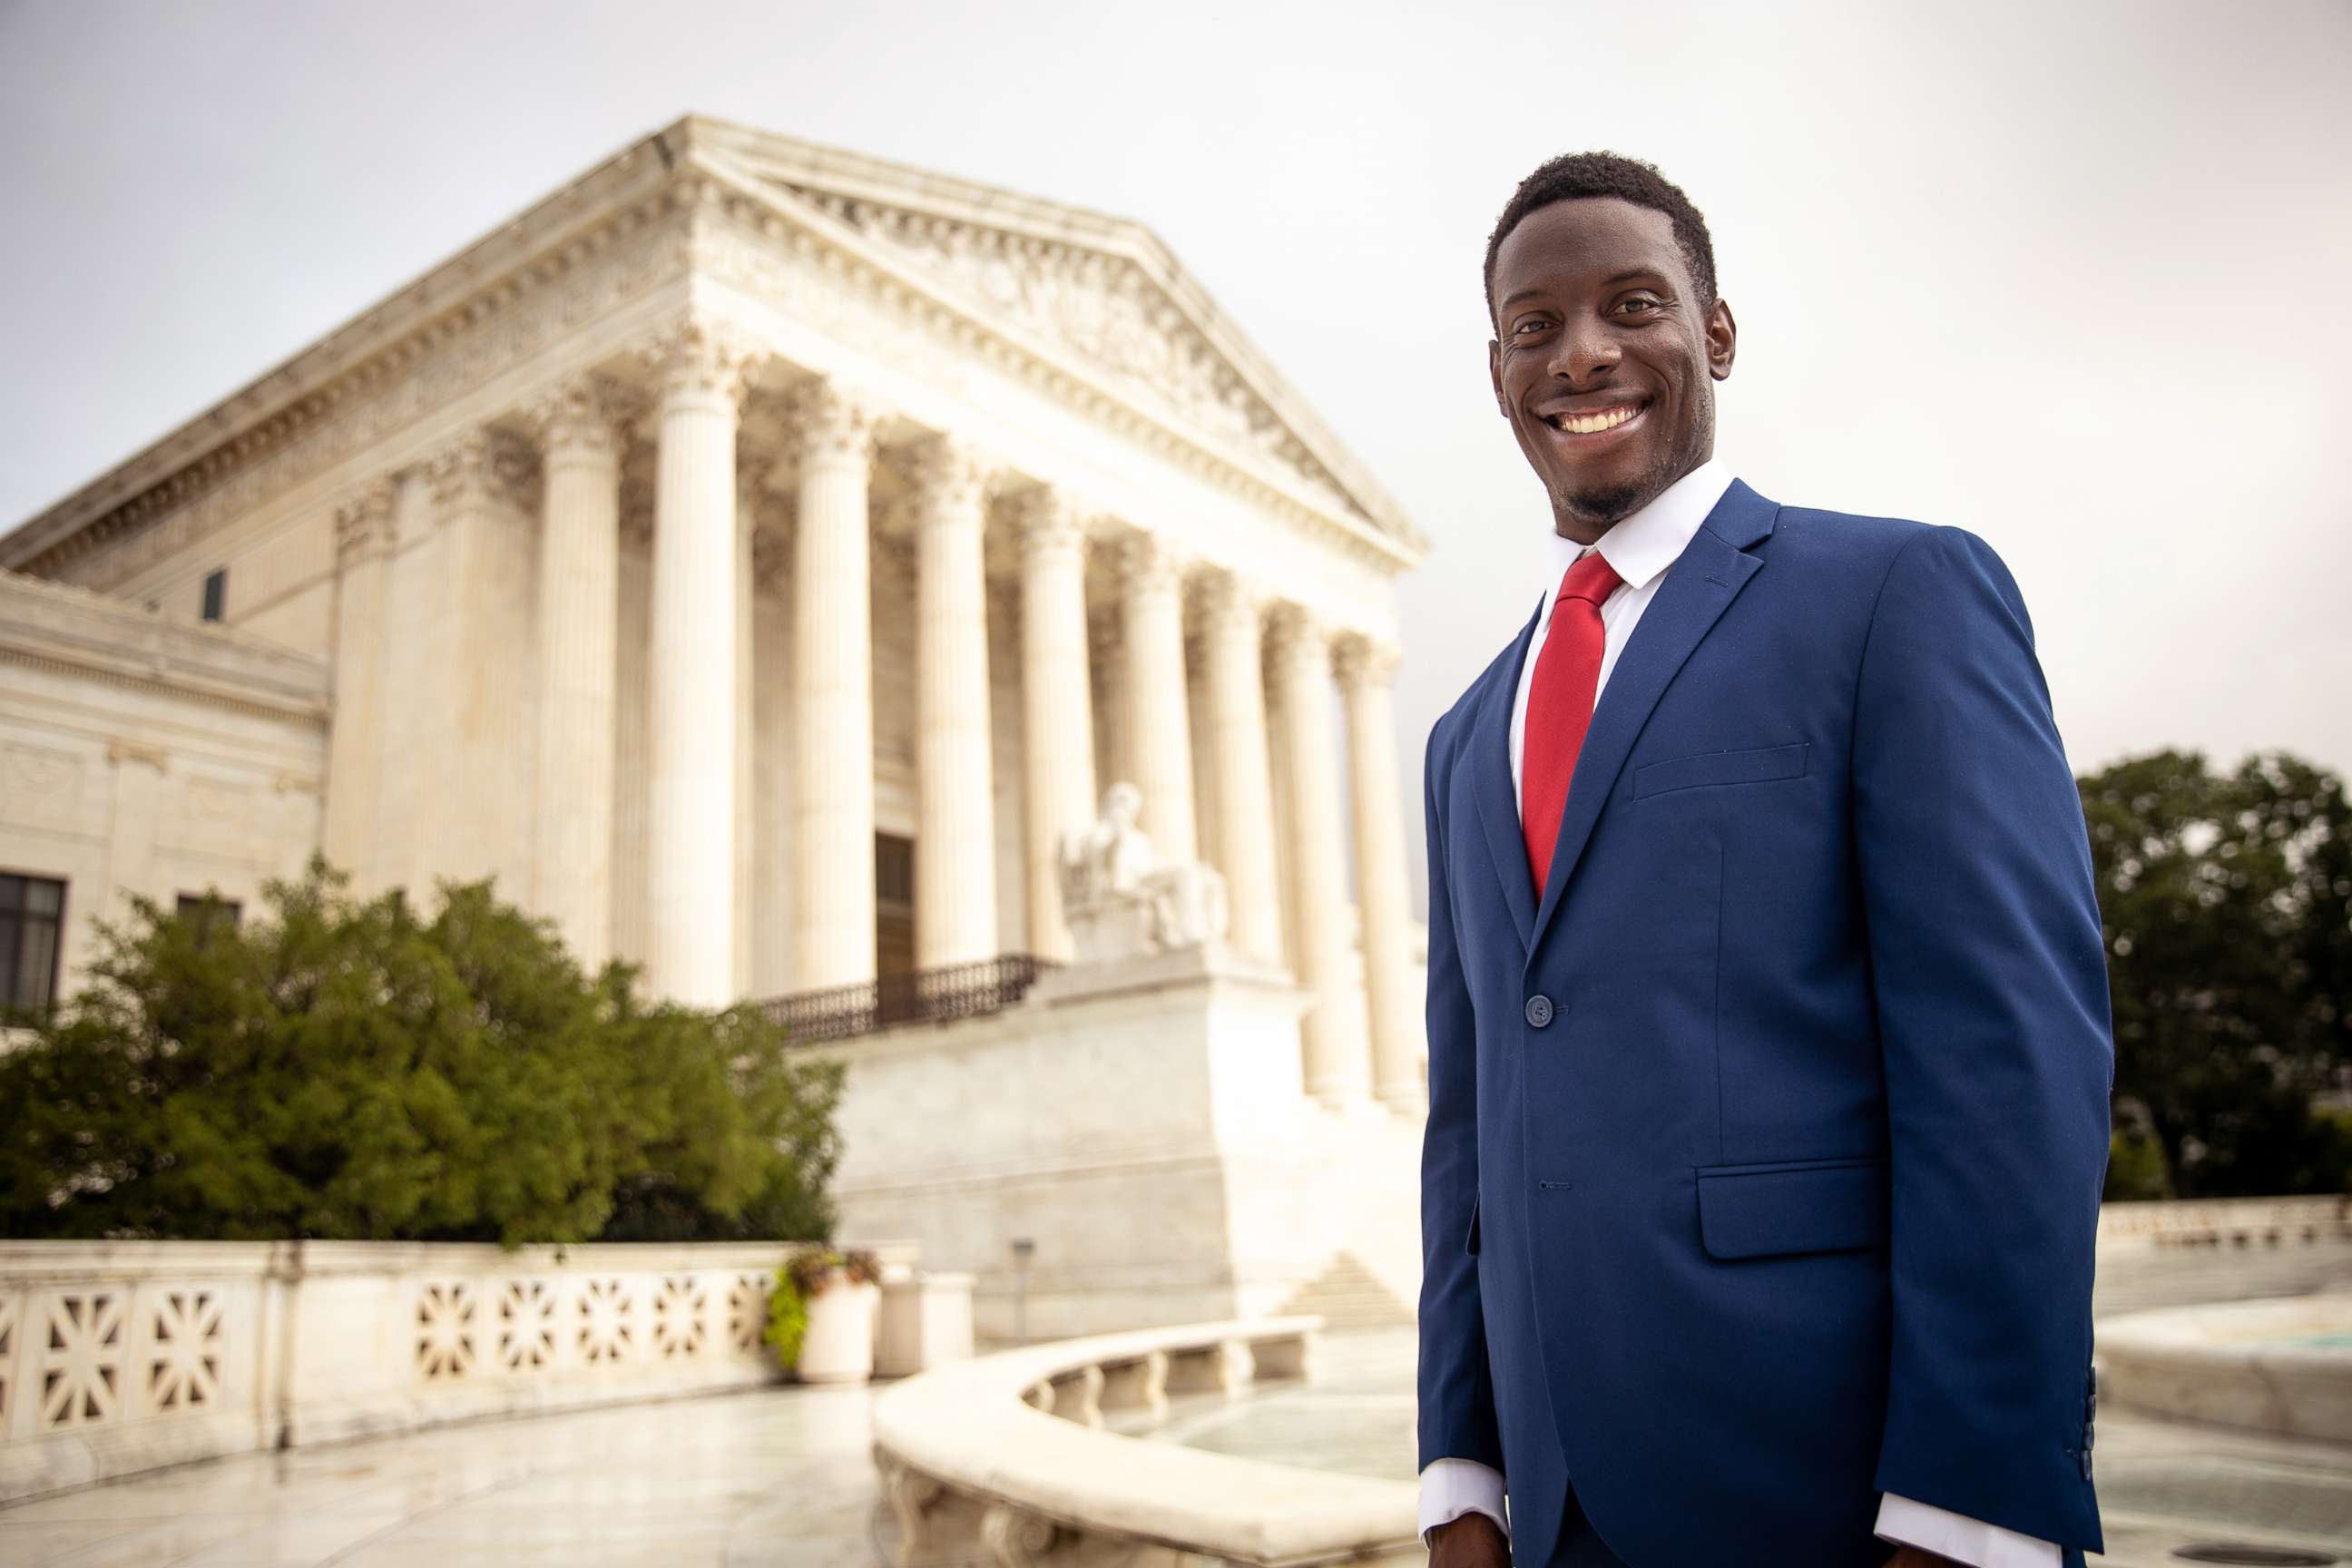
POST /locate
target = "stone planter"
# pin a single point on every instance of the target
(838, 1344)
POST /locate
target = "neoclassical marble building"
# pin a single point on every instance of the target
(758, 556)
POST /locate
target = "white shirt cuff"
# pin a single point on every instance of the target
(1947, 1534)
(1452, 1488)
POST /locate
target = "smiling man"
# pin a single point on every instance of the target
(1769, 1043)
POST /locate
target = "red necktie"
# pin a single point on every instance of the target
(1560, 705)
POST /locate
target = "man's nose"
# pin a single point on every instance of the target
(1583, 349)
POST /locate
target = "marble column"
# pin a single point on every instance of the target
(832, 692)
(581, 435)
(355, 741)
(1242, 798)
(1335, 1064)
(1160, 746)
(1057, 705)
(955, 842)
(482, 666)
(690, 850)
(1367, 671)
(749, 487)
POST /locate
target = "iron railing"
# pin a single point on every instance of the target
(919, 996)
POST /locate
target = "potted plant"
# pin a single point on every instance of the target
(821, 1313)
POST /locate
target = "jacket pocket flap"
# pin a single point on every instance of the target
(1722, 768)
(1799, 1208)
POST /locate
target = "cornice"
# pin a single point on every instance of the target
(538, 250)
(883, 182)
(652, 211)
(762, 210)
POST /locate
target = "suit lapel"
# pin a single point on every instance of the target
(1700, 585)
(1491, 787)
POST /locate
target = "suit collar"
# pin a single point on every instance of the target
(1712, 569)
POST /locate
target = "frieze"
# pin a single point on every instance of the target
(436, 365)
(793, 271)
(1105, 311)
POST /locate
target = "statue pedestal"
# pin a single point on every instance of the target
(1143, 1120)
(1155, 971)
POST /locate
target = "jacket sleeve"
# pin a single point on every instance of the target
(1454, 1385)
(1989, 971)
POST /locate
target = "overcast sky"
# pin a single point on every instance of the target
(2073, 276)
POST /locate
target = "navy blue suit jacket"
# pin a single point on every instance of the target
(1765, 1141)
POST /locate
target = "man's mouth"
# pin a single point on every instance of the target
(1590, 421)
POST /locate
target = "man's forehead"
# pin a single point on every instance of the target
(1588, 234)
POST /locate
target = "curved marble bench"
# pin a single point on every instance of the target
(1004, 1458)
(2281, 1365)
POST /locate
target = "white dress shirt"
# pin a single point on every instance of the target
(1638, 548)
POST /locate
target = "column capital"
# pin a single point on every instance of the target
(1296, 632)
(1360, 659)
(481, 467)
(363, 521)
(582, 414)
(952, 476)
(699, 357)
(1227, 595)
(119, 752)
(837, 422)
(1048, 519)
(1149, 563)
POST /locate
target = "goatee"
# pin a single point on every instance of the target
(1600, 506)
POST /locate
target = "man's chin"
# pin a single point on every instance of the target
(1603, 505)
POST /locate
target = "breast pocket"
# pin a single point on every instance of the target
(1761, 765)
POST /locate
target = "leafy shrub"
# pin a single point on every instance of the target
(354, 1071)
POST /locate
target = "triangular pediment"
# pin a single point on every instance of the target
(1103, 290)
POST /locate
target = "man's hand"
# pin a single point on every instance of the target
(1472, 1540)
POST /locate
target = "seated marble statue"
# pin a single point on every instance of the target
(1121, 898)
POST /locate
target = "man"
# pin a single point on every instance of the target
(1769, 1048)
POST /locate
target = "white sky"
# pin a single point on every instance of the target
(2073, 276)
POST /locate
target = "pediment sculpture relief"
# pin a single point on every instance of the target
(1101, 306)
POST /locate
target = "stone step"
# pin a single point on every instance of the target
(1348, 1296)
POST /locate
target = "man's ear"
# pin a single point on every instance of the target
(1722, 340)
(1495, 375)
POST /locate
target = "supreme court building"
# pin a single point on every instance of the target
(760, 557)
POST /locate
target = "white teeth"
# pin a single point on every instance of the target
(1593, 424)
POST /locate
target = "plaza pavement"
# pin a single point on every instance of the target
(784, 1479)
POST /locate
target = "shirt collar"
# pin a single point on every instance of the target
(1642, 545)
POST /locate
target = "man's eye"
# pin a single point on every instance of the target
(1524, 326)
(1638, 303)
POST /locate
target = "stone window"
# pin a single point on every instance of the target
(32, 913)
(209, 909)
(215, 593)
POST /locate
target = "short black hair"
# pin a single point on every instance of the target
(1573, 175)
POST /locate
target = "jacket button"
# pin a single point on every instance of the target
(2087, 1464)
(1538, 1010)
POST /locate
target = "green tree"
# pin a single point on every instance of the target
(347, 1070)
(2227, 906)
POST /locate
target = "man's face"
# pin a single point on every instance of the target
(1604, 360)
